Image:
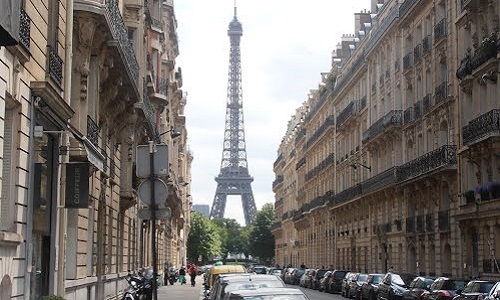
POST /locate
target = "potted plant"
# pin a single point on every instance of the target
(469, 196)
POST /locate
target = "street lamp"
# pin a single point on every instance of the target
(173, 133)
(355, 166)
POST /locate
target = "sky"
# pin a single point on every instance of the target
(286, 45)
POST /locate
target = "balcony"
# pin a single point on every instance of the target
(483, 126)
(418, 109)
(465, 67)
(427, 44)
(427, 103)
(24, 29)
(393, 119)
(345, 114)
(279, 179)
(444, 156)
(278, 160)
(275, 226)
(55, 65)
(440, 31)
(408, 61)
(300, 163)
(300, 135)
(464, 4)
(417, 53)
(321, 166)
(405, 7)
(347, 195)
(486, 50)
(92, 131)
(441, 92)
(162, 86)
(327, 123)
(380, 181)
(409, 116)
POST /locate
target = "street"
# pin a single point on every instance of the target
(317, 295)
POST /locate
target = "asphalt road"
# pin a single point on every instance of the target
(317, 295)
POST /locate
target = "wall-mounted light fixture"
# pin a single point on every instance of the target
(355, 166)
(173, 133)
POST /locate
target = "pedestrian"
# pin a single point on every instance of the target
(193, 272)
(182, 275)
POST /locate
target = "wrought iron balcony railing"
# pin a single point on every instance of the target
(300, 135)
(427, 44)
(487, 49)
(441, 157)
(328, 161)
(409, 116)
(408, 61)
(440, 30)
(327, 123)
(24, 29)
(381, 180)
(279, 179)
(278, 160)
(393, 118)
(120, 34)
(345, 114)
(417, 52)
(441, 92)
(300, 163)
(276, 226)
(55, 65)
(405, 7)
(92, 131)
(488, 123)
(162, 86)
(347, 194)
(427, 103)
(156, 23)
(464, 4)
(465, 67)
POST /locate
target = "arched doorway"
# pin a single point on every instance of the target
(446, 259)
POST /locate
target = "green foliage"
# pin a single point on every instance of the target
(230, 235)
(204, 238)
(261, 240)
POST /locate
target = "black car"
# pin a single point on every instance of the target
(444, 288)
(349, 278)
(317, 278)
(370, 288)
(394, 285)
(354, 290)
(324, 281)
(335, 283)
(296, 274)
(475, 290)
(419, 287)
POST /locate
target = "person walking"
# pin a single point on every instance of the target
(193, 271)
(182, 275)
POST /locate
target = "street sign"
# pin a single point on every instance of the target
(143, 163)
(161, 213)
(160, 192)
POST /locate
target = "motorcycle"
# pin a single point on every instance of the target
(172, 279)
(139, 286)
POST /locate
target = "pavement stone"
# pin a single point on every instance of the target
(182, 292)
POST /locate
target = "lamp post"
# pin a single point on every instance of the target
(153, 208)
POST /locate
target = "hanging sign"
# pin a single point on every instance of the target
(77, 185)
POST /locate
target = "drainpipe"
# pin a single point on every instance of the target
(64, 159)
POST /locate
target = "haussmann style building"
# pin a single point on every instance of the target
(394, 160)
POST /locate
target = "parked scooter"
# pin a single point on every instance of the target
(139, 286)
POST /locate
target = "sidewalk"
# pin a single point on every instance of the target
(182, 292)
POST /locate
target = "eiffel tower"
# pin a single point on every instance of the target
(234, 178)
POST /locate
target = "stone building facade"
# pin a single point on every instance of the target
(395, 155)
(82, 85)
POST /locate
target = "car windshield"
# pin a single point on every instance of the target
(340, 275)
(301, 271)
(260, 270)
(320, 273)
(396, 279)
(478, 287)
(362, 277)
(377, 279)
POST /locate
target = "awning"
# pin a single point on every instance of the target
(94, 156)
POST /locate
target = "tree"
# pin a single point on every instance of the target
(203, 239)
(261, 239)
(230, 236)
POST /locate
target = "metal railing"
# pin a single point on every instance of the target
(92, 131)
(409, 116)
(55, 65)
(418, 109)
(464, 4)
(300, 135)
(440, 30)
(427, 44)
(408, 61)
(24, 29)
(441, 157)
(347, 194)
(393, 118)
(162, 86)
(441, 92)
(345, 114)
(300, 163)
(417, 53)
(427, 103)
(381, 180)
(120, 34)
(483, 125)
(327, 123)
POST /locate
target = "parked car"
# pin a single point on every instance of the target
(233, 282)
(275, 271)
(335, 282)
(418, 288)
(475, 290)
(323, 282)
(267, 294)
(394, 285)
(370, 288)
(306, 278)
(259, 269)
(494, 293)
(296, 274)
(354, 290)
(317, 278)
(444, 288)
(287, 275)
(349, 277)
